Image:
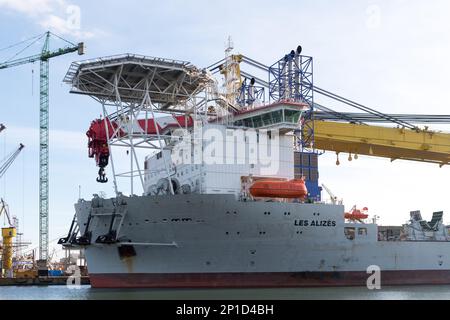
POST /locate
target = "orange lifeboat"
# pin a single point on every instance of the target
(294, 189)
(357, 215)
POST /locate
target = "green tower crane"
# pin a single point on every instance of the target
(44, 58)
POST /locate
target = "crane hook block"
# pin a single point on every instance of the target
(102, 176)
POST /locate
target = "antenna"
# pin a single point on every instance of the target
(229, 46)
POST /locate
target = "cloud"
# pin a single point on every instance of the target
(30, 7)
(57, 16)
(60, 26)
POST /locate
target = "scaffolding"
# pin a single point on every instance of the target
(291, 79)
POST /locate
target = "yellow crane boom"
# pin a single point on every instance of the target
(378, 141)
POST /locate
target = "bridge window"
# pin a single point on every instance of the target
(350, 233)
(362, 231)
(292, 116)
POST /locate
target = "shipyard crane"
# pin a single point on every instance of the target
(4, 210)
(9, 232)
(43, 57)
(7, 247)
(333, 198)
(9, 160)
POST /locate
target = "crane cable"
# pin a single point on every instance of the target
(23, 192)
(323, 92)
(362, 107)
(4, 153)
(55, 35)
(36, 39)
(21, 51)
(19, 43)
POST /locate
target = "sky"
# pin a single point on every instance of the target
(391, 55)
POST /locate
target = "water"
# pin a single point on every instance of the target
(359, 293)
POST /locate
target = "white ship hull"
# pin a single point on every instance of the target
(216, 241)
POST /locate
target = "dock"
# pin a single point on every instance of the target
(39, 281)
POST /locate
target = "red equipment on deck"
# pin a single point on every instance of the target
(102, 130)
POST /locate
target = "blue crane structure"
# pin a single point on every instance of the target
(44, 57)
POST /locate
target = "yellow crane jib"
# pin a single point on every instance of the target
(378, 141)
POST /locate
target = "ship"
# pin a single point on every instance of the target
(223, 203)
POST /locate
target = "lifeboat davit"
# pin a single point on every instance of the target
(357, 215)
(294, 189)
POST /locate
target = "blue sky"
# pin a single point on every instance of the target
(390, 55)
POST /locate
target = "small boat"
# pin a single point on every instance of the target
(293, 189)
(357, 215)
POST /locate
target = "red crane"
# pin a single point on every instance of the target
(103, 130)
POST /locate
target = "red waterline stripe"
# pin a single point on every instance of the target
(265, 280)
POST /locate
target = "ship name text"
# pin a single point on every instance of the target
(315, 223)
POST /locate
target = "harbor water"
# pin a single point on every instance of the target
(350, 293)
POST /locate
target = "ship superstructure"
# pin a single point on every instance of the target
(230, 193)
